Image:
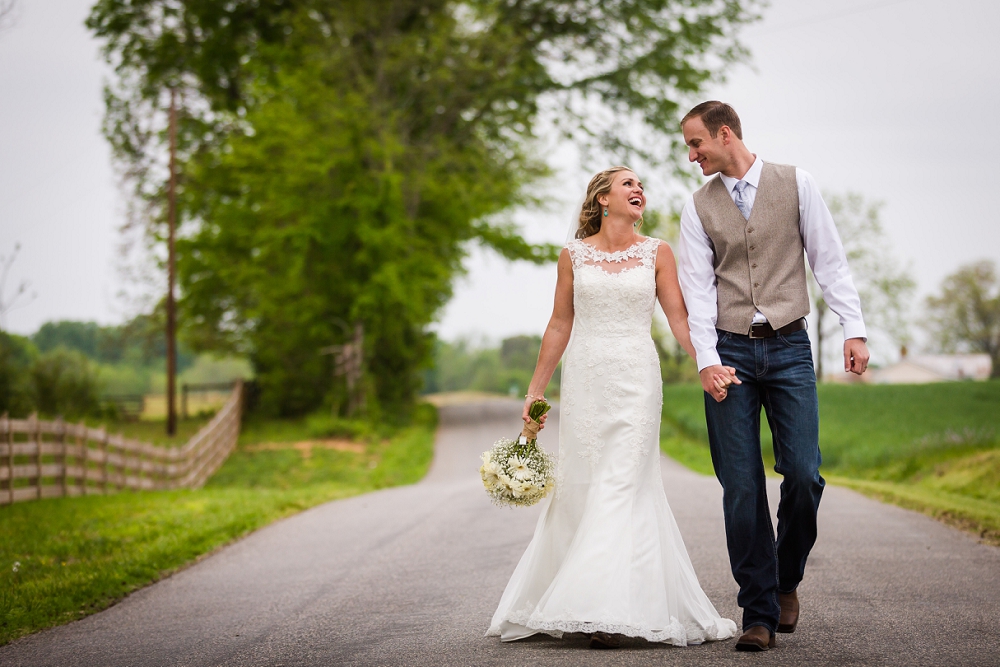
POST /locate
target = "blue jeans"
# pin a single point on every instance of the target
(777, 374)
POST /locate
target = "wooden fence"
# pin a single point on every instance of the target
(48, 459)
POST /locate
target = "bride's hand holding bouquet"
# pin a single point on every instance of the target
(529, 400)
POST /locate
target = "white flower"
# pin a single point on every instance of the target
(519, 468)
(489, 473)
(505, 480)
(17, 565)
(519, 489)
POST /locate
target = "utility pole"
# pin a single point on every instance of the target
(171, 272)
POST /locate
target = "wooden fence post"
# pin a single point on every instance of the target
(103, 444)
(10, 458)
(122, 466)
(140, 458)
(34, 437)
(81, 456)
(60, 433)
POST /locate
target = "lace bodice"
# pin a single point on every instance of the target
(613, 293)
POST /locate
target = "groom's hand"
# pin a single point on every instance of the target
(715, 380)
(855, 356)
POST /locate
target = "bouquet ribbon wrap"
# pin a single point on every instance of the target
(530, 431)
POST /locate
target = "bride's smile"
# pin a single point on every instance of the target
(626, 198)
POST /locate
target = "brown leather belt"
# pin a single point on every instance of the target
(764, 329)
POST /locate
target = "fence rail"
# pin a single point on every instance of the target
(48, 459)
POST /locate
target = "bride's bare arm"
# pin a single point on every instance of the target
(556, 333)
(668, 291)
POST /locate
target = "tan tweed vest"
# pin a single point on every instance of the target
(759, 263)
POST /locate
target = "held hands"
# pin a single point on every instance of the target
(855, 356)
(715, 380)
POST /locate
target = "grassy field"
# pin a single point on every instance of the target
(64, 558)
(934, 448)
(154, 431)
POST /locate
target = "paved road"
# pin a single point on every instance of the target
(411, 576)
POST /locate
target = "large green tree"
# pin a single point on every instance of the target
(337, 157)
(965, 315)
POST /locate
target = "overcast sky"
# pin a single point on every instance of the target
(896, 100)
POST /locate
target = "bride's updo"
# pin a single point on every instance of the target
(591, 213)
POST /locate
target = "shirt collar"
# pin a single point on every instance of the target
(752, 177)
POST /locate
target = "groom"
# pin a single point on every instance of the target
(744, 280)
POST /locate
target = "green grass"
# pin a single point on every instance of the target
(154, 431)
(307, 428)
(934, 448)
(76, 556)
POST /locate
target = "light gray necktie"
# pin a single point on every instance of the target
(742, 202)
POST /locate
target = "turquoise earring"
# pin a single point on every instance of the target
(605, 213)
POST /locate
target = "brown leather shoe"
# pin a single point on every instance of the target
(757, 638)
(789, 603)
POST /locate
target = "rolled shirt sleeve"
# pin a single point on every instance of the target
(696, 272)
(827, 258)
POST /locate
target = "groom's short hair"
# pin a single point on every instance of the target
(714, 115)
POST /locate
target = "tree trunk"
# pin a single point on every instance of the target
(171, 272)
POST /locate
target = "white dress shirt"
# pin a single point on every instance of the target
(696, 264)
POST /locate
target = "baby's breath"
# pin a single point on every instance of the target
(517, 475)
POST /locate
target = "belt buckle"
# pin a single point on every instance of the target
(752, 337)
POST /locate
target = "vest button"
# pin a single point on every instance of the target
(753, 266)
(756, 284)
(752, 247)
(750, 231)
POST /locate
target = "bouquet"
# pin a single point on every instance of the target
(519, 472)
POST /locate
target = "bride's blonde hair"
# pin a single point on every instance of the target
(591, 213)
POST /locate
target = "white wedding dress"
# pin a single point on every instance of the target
(606, 555)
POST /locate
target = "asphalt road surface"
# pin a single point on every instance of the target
(412, 575)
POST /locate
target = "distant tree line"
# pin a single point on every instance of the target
(503, 369)
(67, 368)
(140, 341)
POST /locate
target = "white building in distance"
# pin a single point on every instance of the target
(924, 368)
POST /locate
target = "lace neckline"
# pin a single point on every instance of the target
(618, 256)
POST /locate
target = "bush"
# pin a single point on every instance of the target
(16, 356)
(65, 383)
(320, 425)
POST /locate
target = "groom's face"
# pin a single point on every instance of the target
(709, 152)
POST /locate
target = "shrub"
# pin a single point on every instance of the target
(65, 383)
(16, 356)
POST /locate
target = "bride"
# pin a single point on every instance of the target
(607, 558)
